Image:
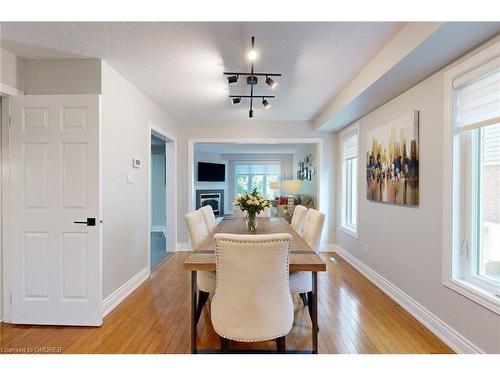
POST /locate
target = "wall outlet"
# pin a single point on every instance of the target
(366, 249)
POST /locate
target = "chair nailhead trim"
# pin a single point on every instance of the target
(217, 267)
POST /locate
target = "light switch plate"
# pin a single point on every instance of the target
(130, 177)
(136, 163)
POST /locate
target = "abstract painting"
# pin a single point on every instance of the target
(392, 162)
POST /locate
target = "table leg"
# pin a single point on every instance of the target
(193, 312)
(314, 317)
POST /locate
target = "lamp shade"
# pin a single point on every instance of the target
(291, 186)
(274, 185)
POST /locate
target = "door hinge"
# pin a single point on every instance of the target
(10, 122)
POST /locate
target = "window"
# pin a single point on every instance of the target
(472, 249)
(248, 176)
(349, 201)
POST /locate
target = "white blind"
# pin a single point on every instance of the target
(492, 145)
(350, 146)
(259, 169)
(478, 101)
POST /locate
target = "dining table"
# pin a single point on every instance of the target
(301, 258)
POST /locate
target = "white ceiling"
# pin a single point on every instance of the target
(180, 65)
(248, 148)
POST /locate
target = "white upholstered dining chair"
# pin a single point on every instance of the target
(265, 213)
(238, 212)
(252, 300)
(298, 218)
(205, 279)
(209, 217)
(301, 282)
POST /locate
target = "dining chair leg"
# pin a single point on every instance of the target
(224, 345)
(309, 305)
(193, 312)
(202, 299)
(304, 298)
(280, 341)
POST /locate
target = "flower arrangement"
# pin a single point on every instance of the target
(252, 203)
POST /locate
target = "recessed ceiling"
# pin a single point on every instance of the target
(180, 65)
(249, 148)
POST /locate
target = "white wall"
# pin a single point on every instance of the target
(126, 116)
(50, 76)
(405, 243)
(307, 187)
(254, 130)
(62, 76)
(12, 70)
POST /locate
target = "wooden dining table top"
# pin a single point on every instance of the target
(301, 258)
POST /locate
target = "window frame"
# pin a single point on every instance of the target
(344, 202)
(455, 256)
(250, 162)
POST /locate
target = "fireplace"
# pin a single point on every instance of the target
(214, 198)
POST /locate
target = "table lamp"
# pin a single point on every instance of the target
(291, 187)
(275, 185)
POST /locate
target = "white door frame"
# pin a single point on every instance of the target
(321, 189)
(5, 93)
(4, 188)
(171, 175)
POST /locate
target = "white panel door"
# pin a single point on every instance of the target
(54, 183)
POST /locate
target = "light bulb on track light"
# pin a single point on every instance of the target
(271, 82)
(265, 103)
(252, 55)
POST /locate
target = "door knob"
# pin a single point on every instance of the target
(90, 222)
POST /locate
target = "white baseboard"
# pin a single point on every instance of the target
(124, 291)
(327, 248)
(452, 338)
(183, 246)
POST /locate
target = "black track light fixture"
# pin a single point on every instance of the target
(271, 82)
(252, 81)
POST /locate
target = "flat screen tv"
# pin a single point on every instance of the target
(211, 172)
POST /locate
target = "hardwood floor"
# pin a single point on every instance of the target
(354, 317)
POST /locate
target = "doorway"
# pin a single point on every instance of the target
(261, 152)
(162, 192)
(158, 234)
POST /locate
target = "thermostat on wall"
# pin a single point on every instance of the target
(136, 163)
